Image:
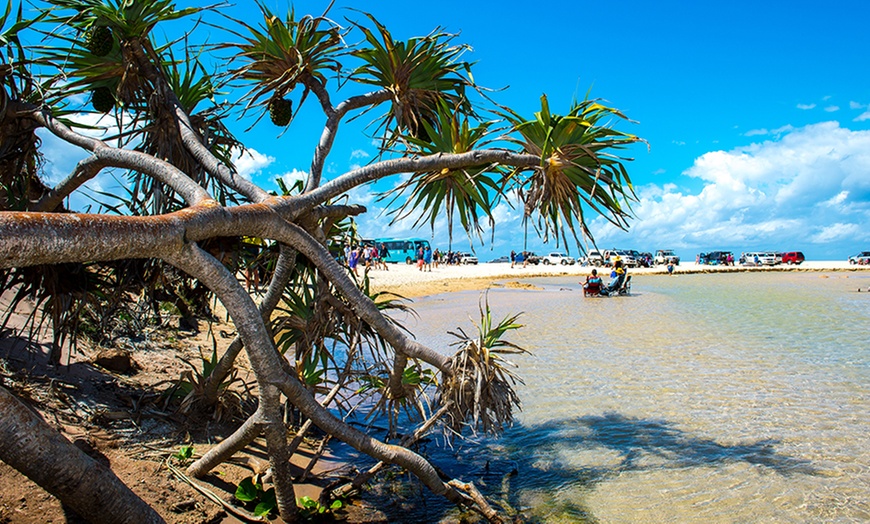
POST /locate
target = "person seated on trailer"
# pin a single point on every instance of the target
(592, 286)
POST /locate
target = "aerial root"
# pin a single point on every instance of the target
(480, 503)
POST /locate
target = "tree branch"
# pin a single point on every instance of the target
(294, 206)
(269, 370)
(333, 119)
(161, 170)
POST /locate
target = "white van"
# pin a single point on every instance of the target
(759, 258)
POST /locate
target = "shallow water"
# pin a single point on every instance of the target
(717, 398)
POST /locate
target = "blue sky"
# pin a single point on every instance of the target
(757, 115)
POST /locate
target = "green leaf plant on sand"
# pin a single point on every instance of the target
(191, 384)
(250, 491)
(479, 393)
(312, 510)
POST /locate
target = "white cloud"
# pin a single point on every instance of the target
(839, 232)
(808, 187)
(863, 116)
(836, 200)
(806, 106)
(756, 132)
(856, 105)
(832, 109)
(250, 162)
(359, 153)
(294, 176)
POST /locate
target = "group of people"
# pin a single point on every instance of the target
(368, 256)
(519, 259)
(425, 256)
(594, 286)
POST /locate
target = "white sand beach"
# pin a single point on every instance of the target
(408, 281)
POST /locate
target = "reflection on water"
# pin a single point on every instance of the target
(717, 398)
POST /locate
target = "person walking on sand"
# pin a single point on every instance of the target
(513, 258)
(427, 258)
(383, 253)
(420, 258)
(353, 260)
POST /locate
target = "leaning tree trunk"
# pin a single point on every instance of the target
(30, 445)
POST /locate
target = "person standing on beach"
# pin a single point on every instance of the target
(420, 261)
(427, 258)
(513, 258)
(353, 260)
(383, 253)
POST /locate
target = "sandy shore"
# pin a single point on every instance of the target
(408, 281)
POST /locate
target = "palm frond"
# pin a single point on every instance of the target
(479, 392)
(578, 169)
(420, 73)
(279, 54)
(466, 193)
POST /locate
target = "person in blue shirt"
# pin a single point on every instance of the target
(427, 258)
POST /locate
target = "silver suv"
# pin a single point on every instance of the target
(625, 255)
(467, 258)
(558, 258)
(593, 258)
(663, 256)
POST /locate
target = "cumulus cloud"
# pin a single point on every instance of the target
(60, 158)
(863, 116)
(292, 177)
(856, 105)
(806, 106)
(250, 162)
(832, 109)
(359, 153)
(807, 187)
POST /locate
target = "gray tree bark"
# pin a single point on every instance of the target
(42, 454)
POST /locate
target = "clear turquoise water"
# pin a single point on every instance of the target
(699, 398)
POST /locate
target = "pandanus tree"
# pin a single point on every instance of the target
(186, 206)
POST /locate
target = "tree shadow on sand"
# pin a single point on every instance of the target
(546, 458)
(636, 440)
(546, 455)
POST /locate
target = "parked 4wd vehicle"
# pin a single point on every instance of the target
(467, 258)
(627, 258)
(862, 258)
(593, 258)
(663, 256)
(558, 258)
(759, 258)
(716, 258)
(792, 257)
(532, 258)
